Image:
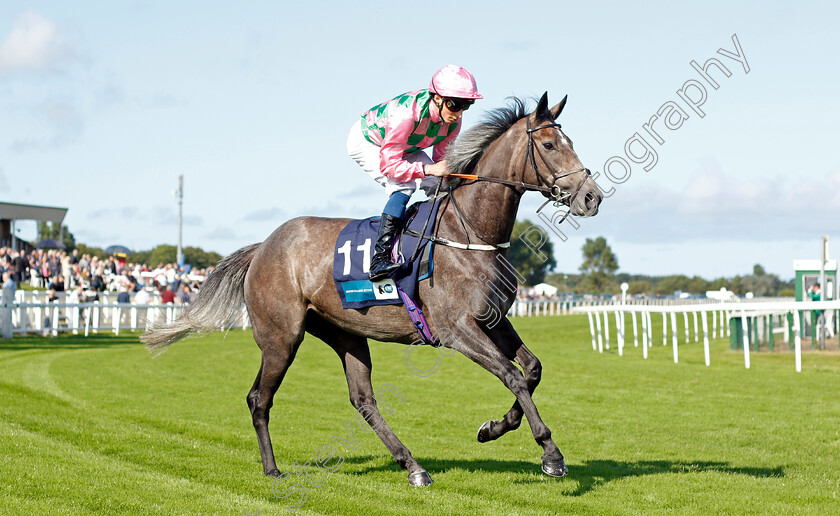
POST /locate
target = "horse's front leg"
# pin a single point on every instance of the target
(355, 355)
(509, 343)
(357, 366)
(479, 348)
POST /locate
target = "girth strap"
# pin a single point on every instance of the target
(458, 245)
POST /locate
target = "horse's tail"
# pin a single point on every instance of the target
(217, 305)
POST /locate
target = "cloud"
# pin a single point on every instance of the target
(96, 238)
(109, 95)
(277, 216)
(517, 47)
(334, 209)
(4, 183)
(717, 206)
(34, 43)
(161, 100)
(120, 212)
(266, 214)
(171, 219)
(221, 233)
(361, 191)
(61, 123)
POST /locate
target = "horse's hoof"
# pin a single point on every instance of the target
(273, 473)
(555, 468)
(484, 433)
(419, 479)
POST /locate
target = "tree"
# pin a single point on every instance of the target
(720, 283)
(563, 281)
(199, 258)
(670, 284)
(599, 265)
(165, 253)
(48, 230)
(92, 251)
(598, 257)
(760, 283)
(531, 253)
(698, 285)
(639, 287)
(737, 286)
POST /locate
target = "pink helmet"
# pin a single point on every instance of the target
(454, 81)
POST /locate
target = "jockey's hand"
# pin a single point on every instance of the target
(438, 169)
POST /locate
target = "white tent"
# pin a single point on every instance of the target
(721, 295)
(544, 289)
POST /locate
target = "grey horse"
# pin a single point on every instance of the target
(286, 282)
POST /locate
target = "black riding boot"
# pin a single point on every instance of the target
(381, 265)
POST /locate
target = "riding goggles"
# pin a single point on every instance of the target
(456, 105)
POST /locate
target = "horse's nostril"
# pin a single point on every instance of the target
(589, 200)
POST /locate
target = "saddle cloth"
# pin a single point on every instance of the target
(354, 249)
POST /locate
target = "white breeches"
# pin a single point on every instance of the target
(366, 155)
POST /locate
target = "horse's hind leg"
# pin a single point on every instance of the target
(512, 346)
(355, 356)
(278, 351)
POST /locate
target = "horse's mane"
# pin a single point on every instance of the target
(463, 154)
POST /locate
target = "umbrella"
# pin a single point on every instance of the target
(118, 249)
(50, 244)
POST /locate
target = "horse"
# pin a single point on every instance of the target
(287, 286)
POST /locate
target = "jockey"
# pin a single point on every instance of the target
(387, 140)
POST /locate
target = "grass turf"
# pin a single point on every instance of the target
(94, 426)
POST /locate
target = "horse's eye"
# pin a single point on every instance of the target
(548, 146)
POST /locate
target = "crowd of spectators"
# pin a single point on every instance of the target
(83, 277)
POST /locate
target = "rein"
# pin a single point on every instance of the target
(556, 195)
(527, 186)
(450, 243)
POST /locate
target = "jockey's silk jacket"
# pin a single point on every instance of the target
(405, 124)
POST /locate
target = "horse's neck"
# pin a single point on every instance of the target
(489, 207)
(489, 210)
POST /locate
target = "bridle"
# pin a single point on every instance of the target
(556, 195)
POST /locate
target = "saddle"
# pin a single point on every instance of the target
(354, 248)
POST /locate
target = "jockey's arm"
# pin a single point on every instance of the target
(392, 151)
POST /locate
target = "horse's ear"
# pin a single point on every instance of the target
(541, 113)
(556, 110)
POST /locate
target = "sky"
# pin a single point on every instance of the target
(104, 104)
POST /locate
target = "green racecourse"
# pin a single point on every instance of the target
(94, 426)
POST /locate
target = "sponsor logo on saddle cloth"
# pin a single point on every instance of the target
(353, 251)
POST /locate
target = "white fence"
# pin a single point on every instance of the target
(540, 307)
(51, 318)
(31, 313)
(713, 315)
